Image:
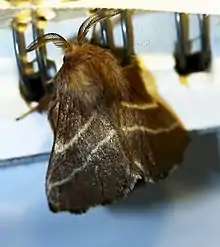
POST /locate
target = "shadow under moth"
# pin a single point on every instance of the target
(109, 133)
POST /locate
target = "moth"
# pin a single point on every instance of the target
(109, 133)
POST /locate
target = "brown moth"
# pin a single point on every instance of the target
(108, 132)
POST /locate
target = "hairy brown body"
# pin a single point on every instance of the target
(108, 131)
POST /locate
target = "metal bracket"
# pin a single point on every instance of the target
(127, 35)
(30, 85)
(33, 75)
(46, 66)
(187, 62)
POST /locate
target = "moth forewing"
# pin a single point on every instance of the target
(89, 165)
(101, 149)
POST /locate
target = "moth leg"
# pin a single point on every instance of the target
(42, 106)
(33, 109)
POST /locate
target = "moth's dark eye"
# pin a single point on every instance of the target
(64, 58)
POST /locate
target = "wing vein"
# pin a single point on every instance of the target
(150, 130)
(139, 106)
(61, 147)
(81, 168)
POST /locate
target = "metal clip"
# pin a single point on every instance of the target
(34, 75)
(105, 38)
(46, 66)
(30, 85)
(127, 35)
(187, 62)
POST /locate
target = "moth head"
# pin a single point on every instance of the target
(89, 73)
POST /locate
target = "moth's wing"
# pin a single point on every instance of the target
(156, 136)
(88, 165)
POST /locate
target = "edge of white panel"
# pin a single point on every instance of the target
(188, 6)
(196, 103)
